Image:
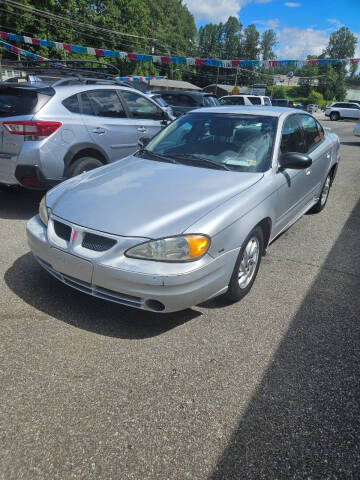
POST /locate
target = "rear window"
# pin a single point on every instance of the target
(18, 101)
(255, 100)
(232, 101)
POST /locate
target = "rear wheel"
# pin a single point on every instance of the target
(246, 267)
(334, 116)
(324, 195)
(84, 164)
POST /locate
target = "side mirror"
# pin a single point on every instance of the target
(165, 118)
(294, 160)
(143, 141)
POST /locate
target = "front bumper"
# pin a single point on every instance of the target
(170, 288)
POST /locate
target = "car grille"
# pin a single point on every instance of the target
(97, 243)
(63, 231)
(85, 287)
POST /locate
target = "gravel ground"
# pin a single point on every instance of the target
(267, 388)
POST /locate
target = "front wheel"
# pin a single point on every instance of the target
(246, 267)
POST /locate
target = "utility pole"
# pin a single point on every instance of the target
(217, 81)
(151, 52)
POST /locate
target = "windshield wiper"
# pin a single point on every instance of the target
(220, 166)
(162, 158)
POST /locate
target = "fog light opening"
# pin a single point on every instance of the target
(155, 305)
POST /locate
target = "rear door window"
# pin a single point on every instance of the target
(267, 101)
(102, 103)
(170, 98)
(186, 101)
(19, 101)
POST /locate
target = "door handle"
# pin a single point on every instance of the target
(308, 171)
(142, 129)
(328, 155)
(98, 130)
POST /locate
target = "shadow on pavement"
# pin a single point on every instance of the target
(351, 144)
(18, 203)
(303, 421)
(39, 289)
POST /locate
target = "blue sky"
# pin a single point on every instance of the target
(302, 26)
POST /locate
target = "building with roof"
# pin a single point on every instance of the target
(166, 84)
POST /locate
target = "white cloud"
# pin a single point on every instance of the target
(270, 23)
(296, 44)
(217, 10)
(292, 4)
(335, 22)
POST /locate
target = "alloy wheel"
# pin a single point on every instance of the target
(249, 261)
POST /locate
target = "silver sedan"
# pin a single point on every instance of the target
(190, 215)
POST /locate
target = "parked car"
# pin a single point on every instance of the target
(357, 130)
(182, 101)
(282, 102)
(339, 110)
(245, 100)
(162, 104)
(311, 108)
(299, 106)
(52, 132)
(189, 216)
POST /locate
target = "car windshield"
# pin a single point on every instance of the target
(240, 142)
(210, 101)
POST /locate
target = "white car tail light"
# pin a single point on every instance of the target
(32, 130)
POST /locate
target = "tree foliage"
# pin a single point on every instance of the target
(166, 27)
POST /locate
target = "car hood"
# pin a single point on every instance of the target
(136, 197)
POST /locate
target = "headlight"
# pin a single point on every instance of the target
(43, 212)
(173, 249)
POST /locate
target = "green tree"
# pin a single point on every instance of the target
(315, 98)
(279, 92)
(268, 42)
(342, 44)
(251, 46)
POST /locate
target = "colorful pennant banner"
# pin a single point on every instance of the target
(140, 57)
(139, 79)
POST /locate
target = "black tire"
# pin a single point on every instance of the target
(84, 164)
(324, 195)
(334, 116)
(235, 291)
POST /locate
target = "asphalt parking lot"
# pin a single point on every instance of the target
(267, 388)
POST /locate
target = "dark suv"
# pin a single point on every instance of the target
(282, 102)
(183, 101)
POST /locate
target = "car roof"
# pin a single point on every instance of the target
(186, 92)
(65, 91)
(249, 110)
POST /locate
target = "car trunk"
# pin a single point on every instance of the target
(18, 104)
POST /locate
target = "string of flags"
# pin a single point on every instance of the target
(139, 79)
(140, 57)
